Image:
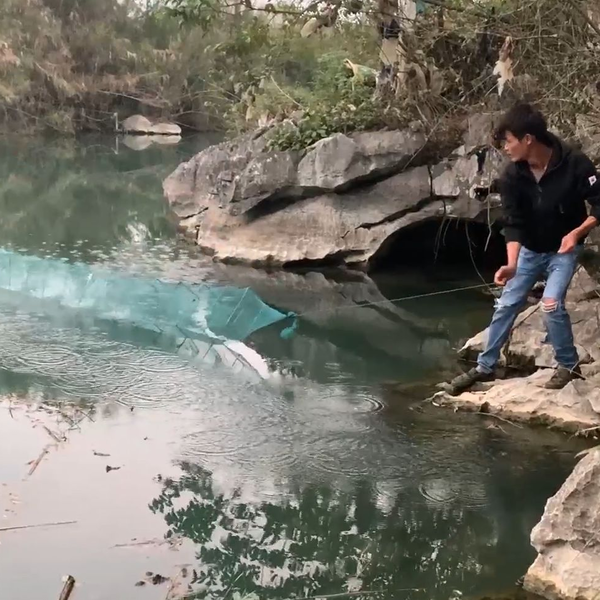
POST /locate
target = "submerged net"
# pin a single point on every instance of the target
(192, 311)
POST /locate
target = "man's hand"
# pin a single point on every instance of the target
(504, 275)
(569, 243)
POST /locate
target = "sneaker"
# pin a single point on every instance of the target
(465, 381)
(561, 377)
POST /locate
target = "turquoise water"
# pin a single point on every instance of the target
(283, 468)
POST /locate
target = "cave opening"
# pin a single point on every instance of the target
(453, 244)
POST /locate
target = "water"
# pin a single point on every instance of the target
(271, 469)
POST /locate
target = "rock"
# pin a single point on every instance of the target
(139, 124)
(329, 228)
(340, 201)
(568, 563)
(573, 409)
(480, 130)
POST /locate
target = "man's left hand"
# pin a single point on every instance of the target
(569, 243)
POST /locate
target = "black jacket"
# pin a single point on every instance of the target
(539, 215)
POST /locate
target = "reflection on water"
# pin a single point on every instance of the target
(302, 472)
(370, 535)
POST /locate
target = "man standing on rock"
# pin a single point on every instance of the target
(543, 192)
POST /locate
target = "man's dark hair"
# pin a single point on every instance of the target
(523, 119)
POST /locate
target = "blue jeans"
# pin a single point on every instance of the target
(559, 270)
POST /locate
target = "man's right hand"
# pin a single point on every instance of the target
(504, 275)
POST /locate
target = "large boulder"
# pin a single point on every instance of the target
(567, 538)
(328, 228)
(339, 202)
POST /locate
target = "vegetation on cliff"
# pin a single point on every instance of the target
(70, 65)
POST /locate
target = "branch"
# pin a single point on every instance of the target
(585, 16)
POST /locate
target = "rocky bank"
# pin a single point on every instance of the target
(568, 538)
(343, 201)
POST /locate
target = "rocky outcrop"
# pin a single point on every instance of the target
(341, 201)
(574, 409)
(568, 538)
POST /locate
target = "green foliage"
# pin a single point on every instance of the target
(333, 104)
(197, 12)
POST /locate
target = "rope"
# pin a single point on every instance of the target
(402, 299)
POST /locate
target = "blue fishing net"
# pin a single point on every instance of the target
(190, 310)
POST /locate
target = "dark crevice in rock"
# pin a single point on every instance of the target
(287, 196)
(279, 201)
(401, 213)
(192, 215)
(331, 260)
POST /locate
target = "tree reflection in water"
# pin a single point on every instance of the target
(323, 541)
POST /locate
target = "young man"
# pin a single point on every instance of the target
(543, 192)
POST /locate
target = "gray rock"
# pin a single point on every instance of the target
(339, 201)
(574, 409)
(567, 538)
(336, 162)
(480, 130)
(330, 227)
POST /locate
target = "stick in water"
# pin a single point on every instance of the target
(39, 525)
(68, 588)
(37, 461)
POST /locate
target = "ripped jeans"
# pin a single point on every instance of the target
(559, 270)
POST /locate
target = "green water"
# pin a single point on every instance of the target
(310, 467)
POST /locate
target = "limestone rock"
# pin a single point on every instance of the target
(340, 201)
(573, 409)
(329, 227)
(567, 538)
(480, 130)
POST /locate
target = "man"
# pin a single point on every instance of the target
(543, 192)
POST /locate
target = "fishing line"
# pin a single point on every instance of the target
(401, 299)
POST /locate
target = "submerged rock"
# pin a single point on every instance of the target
(339, 202)
(567, 538)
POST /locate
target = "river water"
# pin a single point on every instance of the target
(311, 467)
